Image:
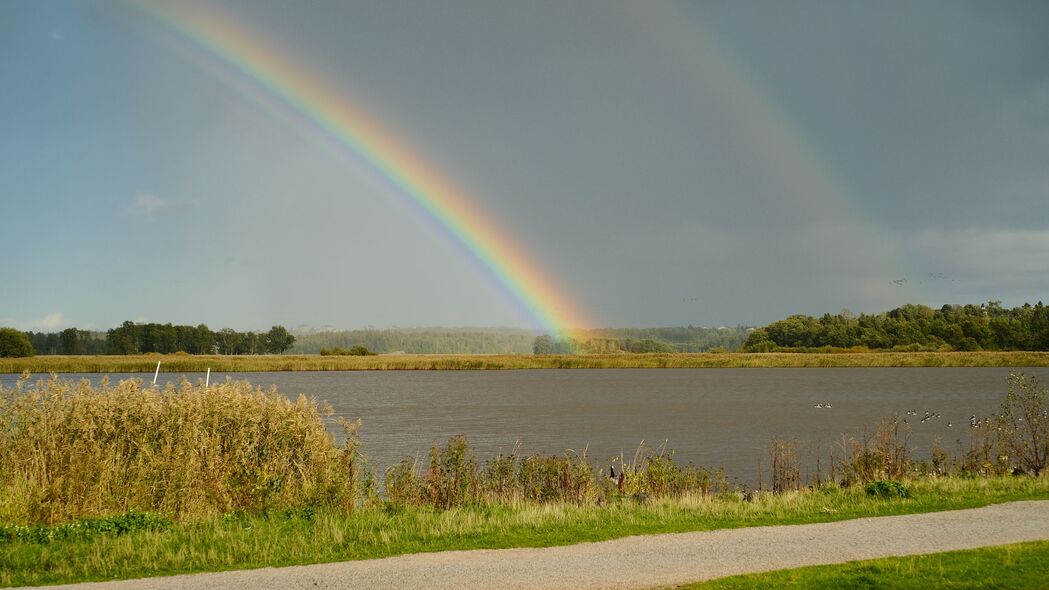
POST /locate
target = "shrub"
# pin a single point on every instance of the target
(1024, 423)
(402, 483)
(452, 478)
(883, 455)
(887, 488)
(354, 351)
(14, 343)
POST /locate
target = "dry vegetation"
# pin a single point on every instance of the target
(126, 480)
(69, 450)
(184, 363)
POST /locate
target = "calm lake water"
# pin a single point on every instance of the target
(712, 417)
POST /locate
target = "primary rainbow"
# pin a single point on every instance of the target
(271, 69)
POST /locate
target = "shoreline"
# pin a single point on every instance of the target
(182, 363)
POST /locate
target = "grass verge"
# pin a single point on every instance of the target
(1022, 565)
(237, 541)
(181, 363)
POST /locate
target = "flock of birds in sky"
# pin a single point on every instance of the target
(929, 277)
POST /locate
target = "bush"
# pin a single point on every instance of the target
(14, 343)
(453, 478)
(354, 351)
(887, 488)
(1024, 423)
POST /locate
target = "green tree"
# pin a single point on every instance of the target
(203, 340)
(228, 340)
(123, 340)
(14, 343)
(278, 340)
(71, 341)
(543, 345)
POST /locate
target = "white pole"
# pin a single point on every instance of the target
(156, 373)
(207, 379)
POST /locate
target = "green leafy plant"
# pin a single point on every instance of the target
(887, 488)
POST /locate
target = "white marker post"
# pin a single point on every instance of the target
(156, 373)
(207, 379)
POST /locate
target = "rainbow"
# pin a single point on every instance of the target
(272, 70)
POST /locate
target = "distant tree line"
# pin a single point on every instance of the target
(644, 340)
(420, 340)
(139, 338)
(912, 327)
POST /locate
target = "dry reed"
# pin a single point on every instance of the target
(69, 450)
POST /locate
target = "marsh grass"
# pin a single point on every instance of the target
(182, 363)
(126, 480)
(70, 450)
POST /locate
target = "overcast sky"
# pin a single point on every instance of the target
(706, 163)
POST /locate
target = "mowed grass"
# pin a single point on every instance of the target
(181, 363)
(1023, 565)
(236, 541)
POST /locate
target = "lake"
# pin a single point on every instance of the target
(712, 417)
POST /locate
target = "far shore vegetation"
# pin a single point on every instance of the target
(184, 363)
(125, 480)
(908, 329)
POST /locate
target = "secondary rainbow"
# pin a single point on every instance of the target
(271, 69)
(784, 151)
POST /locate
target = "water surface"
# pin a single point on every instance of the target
(713, 417)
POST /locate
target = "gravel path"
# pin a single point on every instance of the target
(647, 561)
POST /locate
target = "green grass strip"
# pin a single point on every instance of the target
(251, 541)
(1023, 565)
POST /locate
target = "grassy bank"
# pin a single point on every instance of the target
(178, 363)
(125, 480)
(1022, 565)
(237, 541)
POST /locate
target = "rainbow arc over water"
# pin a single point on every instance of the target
(273, 70)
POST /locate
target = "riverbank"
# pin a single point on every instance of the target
(121, 480)
(182, 363)
(239, 541)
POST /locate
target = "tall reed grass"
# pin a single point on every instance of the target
(69, 450)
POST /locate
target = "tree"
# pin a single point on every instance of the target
(14, 343)
(228, 340)
(1024, 423)
(203, 340)
(543, 345)
(123, 340)
(71, 341)
(278, 340)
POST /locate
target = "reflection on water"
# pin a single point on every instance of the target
(712, 417)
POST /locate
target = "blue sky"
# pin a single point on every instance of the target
(138, 182)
